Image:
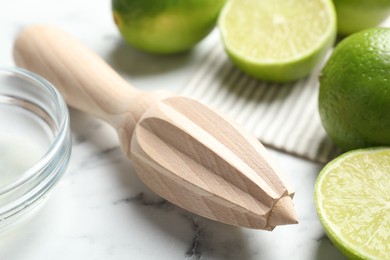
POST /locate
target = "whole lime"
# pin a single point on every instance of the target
(354, 95)
(165, 26)
(357, 15)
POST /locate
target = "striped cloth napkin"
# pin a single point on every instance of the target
(282, 116)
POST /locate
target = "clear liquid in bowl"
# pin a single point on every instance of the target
(23, 141)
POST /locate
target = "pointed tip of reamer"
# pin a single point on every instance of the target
(283, 213)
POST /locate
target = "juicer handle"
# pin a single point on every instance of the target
(86, 81)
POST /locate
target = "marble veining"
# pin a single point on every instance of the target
(194, 250)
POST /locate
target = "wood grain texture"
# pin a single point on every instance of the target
(184, 151)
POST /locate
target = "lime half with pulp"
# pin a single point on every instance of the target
(352, 196)
(277, 40)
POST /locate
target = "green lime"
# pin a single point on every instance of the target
(354, 96)
(277, 40)
(165, 26)
(357, 15)
(352, 196)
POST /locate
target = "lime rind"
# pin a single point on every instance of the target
(281, 72)
(354, 100)
(286, 69)
(165, 27)
(358, 15)
(349, 249)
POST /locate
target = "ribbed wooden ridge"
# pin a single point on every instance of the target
(218, 167)
(184, 151)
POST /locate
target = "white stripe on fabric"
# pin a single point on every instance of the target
(281, 116)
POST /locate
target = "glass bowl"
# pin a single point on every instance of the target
(35, 142)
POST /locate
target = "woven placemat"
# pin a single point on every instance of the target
(282, 116)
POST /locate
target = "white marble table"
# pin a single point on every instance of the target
(100, 209)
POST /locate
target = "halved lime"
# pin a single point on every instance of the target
(352, 196)
(278, 40)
